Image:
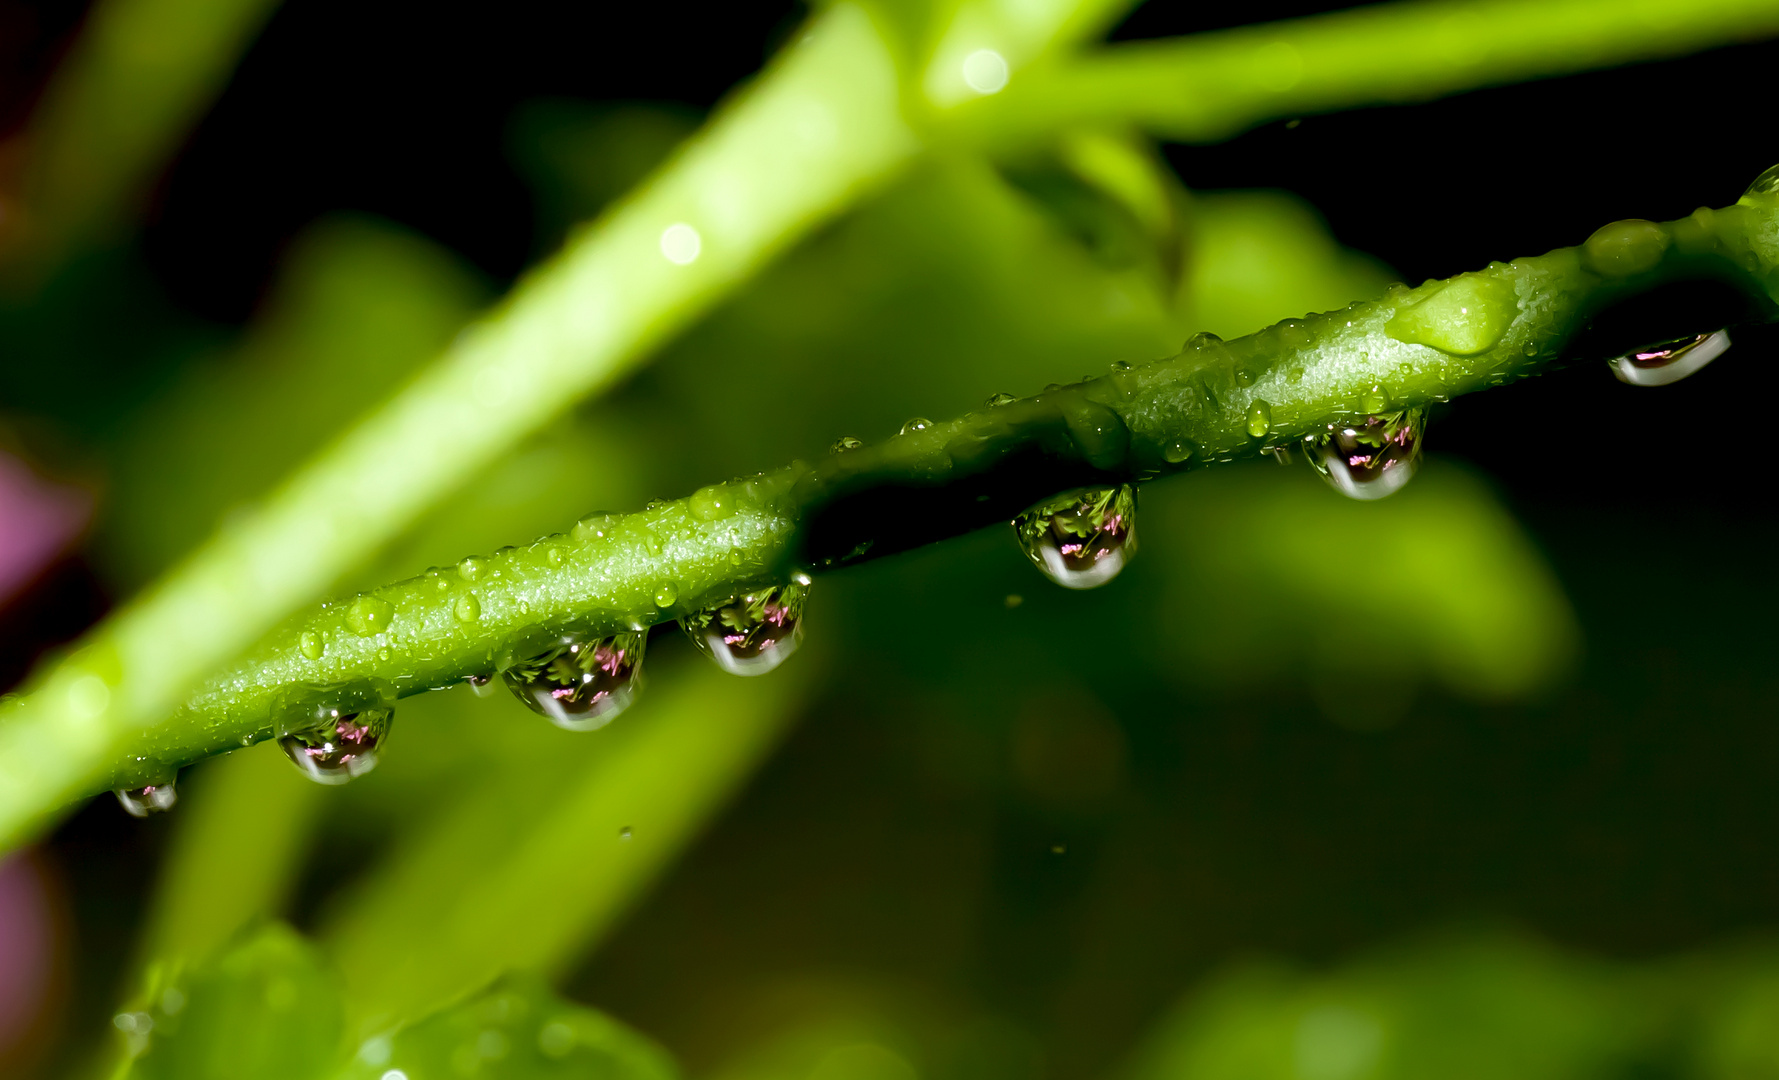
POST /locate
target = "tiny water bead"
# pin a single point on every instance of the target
(342, 747)
(150, 799)
(919, 423)
(312, 645)
(1259, 419)
(998, 400)
(1670, 361)
(369, 616)
(1082, 539)
(845, 443)
(666, 595)
(581, 685)
(467, 608)
(755, 633)
(1372, 459)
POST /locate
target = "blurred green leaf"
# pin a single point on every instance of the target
(516, 1030)
(267, 1008)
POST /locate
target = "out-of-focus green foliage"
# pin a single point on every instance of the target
(270, 1007)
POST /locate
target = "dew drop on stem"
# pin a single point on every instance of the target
(997, 400)
(1372, 459)
(845, 443)
(581, 685)
(1670, 361)
(1082, 539)
(343, 746)
(919, 423)
(149, 799)
(753, 634)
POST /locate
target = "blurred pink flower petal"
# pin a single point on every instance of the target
(26, 947)
(38, 520)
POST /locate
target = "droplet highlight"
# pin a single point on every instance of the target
(1081, 540)
(1369, 460)
(919, 423)
(1670, 361)
(581, 685)
(755, 633)
(341, 748)
(149, 799)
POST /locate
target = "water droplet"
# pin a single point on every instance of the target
(755, 633)
(735, 558)
(1083, 539)
(711, 502)
(467, 608)
(666, 595)
(845, 443)
(581, 685)
(1369, 460)
(470, 569)
(1178, 451)
(919, 423)
(1624, 248)
(624, 833)
(369, 615)
(555, 555)
(1121, 365)
(1259, 419)
(342, 747)
(1244, 377)
(480, 685)
(1294, 376)
(1670, 361)
(998, 400)
(312, 645)
(150, 799)
(1375, 401)
(592, 527)
(1764, 191)
(383, 655)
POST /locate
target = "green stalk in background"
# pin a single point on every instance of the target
(825, 125)
(1213, 402)
(140, 75)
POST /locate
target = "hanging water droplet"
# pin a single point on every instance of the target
(1177, 451)
(755, 633)
(1369, 460)
(845, 443)
(1670, 361)
(150, 799)
(998, 400)
(666, 595)
(919, 423)
(312, 645)
(480, 685)
(1375, 401)
(343, 746)
(581, 685)
(1083, 539)
(1259, 419)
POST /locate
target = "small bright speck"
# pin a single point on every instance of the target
(681, 243)
(986, 71)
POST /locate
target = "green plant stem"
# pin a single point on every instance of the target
(814, 134)
(619, 572)
(818, 129)
(1212, 86)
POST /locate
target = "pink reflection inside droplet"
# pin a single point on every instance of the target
(37, 521)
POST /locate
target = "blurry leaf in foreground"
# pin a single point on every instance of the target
(516, 1030)
(1469, 1008)
(266, 1008)
(1269, 574)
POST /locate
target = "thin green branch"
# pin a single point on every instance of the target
(1211, 86)
(1213, 402)
(816, 131)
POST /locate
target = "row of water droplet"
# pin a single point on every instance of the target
(1079, 540)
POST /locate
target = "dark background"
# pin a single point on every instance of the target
(1630, 814)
